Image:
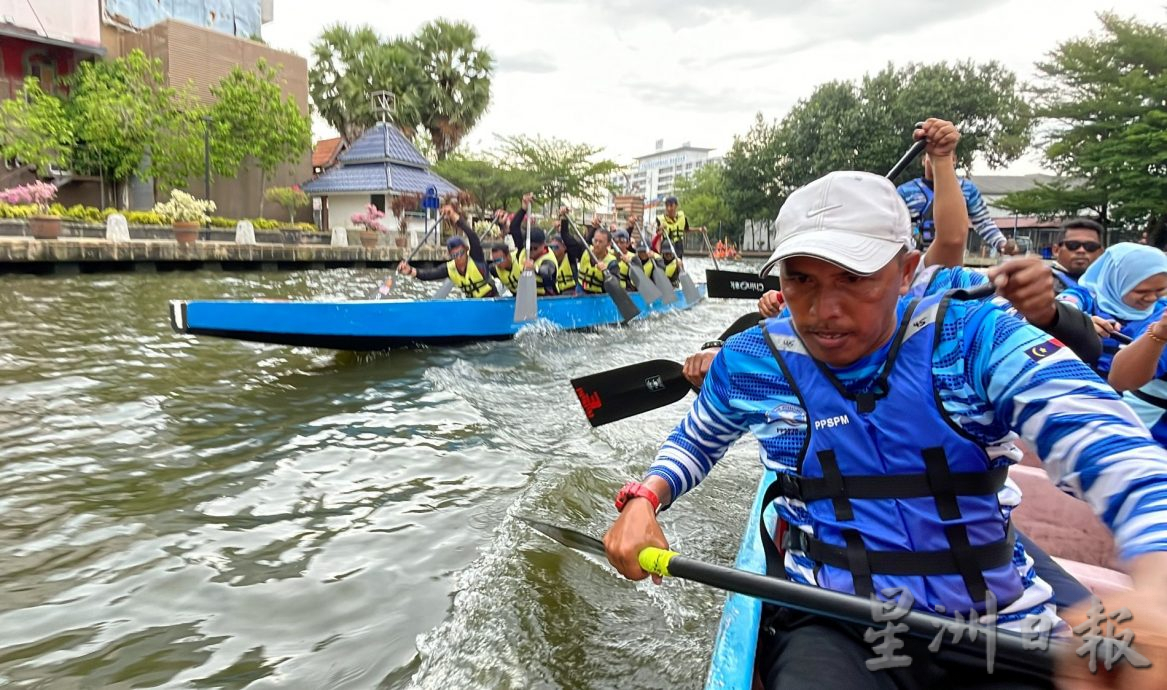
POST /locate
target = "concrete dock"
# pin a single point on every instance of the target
(74, 255)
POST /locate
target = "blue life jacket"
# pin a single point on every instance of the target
(897, 494)
(927, 226)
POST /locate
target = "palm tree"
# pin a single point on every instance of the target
(455, 86)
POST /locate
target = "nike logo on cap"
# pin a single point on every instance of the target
(816, 211)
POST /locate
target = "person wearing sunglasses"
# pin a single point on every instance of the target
(467, 267)
(1079, 245)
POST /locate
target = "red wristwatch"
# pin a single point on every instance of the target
(633, 490)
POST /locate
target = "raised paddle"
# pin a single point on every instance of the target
(644, 286)
(1012, 652)
(617, 394)
(525, 306)
(387, 284)
(709, 248)
(624, 304)
(741, 285)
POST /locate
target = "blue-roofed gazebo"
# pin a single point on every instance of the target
(379, 165)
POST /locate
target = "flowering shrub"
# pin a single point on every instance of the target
(38, 193)
(184, 208)
(371, 219)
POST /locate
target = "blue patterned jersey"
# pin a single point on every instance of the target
(915, 196)
(997, 380)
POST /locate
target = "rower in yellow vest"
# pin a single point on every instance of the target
(565, 275)
(673, 224)
(648, 258)
(467, 267)
(505, 264)
(623, 243)
(542, 260)
(592, 275)
(670, 262)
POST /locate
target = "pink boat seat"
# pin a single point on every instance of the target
(1061, 524)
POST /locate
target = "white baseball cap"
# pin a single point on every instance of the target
(855, 220)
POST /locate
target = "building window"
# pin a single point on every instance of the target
(378, 200)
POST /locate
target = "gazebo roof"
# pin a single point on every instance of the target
(381, 160)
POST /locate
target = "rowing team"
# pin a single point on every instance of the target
(564, 263)
(890, 406)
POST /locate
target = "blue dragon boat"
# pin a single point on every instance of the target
(732, 664)
(385, 324)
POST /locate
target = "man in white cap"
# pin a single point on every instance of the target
(892, 423)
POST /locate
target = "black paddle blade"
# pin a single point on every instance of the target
(617, 394)
(743, 323)
(738, 284)
(623, 302)
(569, 537)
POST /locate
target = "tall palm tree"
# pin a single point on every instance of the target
(455, 87)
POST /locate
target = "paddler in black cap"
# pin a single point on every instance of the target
(467, 267)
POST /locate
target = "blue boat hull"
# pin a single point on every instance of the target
(386, 324)
(732, 664)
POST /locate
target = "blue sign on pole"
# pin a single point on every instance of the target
(431, 198)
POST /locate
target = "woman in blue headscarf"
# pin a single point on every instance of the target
(1123, 293)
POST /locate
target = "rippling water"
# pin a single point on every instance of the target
(198, 513)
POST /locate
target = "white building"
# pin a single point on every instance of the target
(655, 175)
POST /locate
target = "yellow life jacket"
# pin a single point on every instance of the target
(626, 271)
(473, 284)
(675, 227)
(564, 276)
(650, 264)
(547, 257)
(510, 277)
(671, 268)
(591, 277)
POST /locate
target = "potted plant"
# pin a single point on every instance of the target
(186, 214)
(45, 224)
(399, 206)
(371, 221)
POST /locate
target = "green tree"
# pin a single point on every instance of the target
(291, 198)
(455, 86)
(128, 121)
(35, 130)
(560, 170)
(751, 177)
(254, 122)
(1105, 99)
(349, 65)
(703, 197)
(490, 184)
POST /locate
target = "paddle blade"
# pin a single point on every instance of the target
(628, 309)
(643, 285)
(617, 394)
(738, 284)
(444, 289)
(689, 290)
(569, 537)
(662, 283)
(744, 323)
(525, 307)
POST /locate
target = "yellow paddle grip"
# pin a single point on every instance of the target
(656, 561)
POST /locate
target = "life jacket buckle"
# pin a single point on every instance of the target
(790, 485)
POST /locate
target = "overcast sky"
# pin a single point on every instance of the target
(623, 73)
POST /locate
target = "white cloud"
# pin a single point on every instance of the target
(624, 73)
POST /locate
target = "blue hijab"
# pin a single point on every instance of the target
(1118, 271)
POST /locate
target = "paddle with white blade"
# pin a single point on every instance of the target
(525, 305)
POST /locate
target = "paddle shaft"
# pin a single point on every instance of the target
(616, 292)
(412, 254)
(709, 247)
(818, 601)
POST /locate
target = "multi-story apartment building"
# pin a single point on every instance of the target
(655, 175)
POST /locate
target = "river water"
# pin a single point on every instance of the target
(188, 512)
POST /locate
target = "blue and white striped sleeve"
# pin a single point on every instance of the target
(708, 430)
(1090, 442)
(978, 215)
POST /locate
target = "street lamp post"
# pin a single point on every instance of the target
(207, 160)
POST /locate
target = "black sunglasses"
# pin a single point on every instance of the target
(457, 254)
(555, 247)
(1075, 245)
